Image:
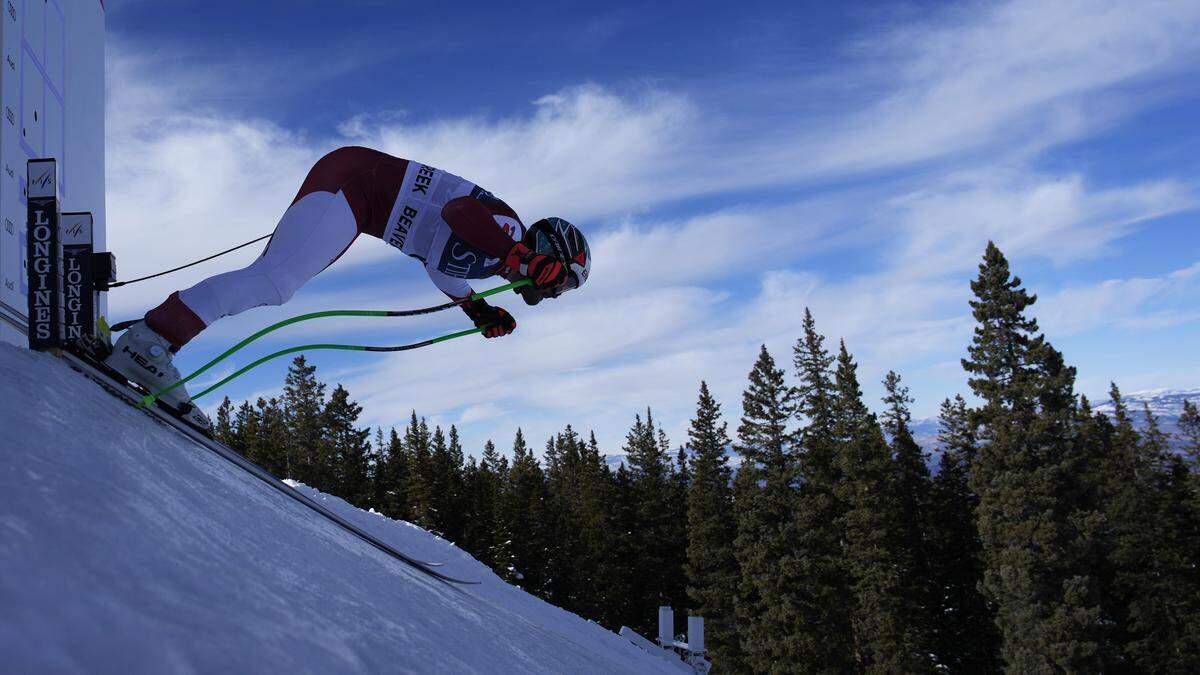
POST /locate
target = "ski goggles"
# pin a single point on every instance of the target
(533, 296)
(542, 243)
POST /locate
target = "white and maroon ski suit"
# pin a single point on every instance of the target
(458, 230)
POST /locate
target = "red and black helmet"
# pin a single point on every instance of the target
(557, 237)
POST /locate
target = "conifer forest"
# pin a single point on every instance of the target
(1046, 538)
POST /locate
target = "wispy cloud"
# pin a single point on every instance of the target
(585, 150)
(1017, 76)
(945, 223)
(1132, 304)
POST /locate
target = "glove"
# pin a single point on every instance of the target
(494, 320)
(545, 271)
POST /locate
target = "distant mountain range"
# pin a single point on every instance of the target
(1164, 404)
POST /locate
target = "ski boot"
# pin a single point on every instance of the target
(144, 357)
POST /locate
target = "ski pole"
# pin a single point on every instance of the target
(149, 399)
(122, 325)
(341, 312)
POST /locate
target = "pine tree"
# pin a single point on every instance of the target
(480, 491)
(773, 635)
(1168, 609)
(814, 393)
(683, 472)
(476, 538)
(223, 430)
(245, 433)
(1189, 426)
(657, 541)
(303, 399)
(376, 478)
(623, 607)
(711, 567)
(348, 447)
(422, 508)
(965, 635)
(270, 449)
(606, 547)
(1152, 555)
(446, 466)
(1035, 521)
(912, 487)
(560, 539)
(887, 636)
(1176, 619)
(681, 479)
(503, 559)
(439, 484)
(456, 462)
(825, 629)
(576, 527)
(523, 511)
(392, 482)
(912, 470)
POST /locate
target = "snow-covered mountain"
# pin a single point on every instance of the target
(615, 460)
(1165, 404)
(126, 548)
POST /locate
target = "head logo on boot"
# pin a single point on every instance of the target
(141, 361)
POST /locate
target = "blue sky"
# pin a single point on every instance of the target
(732, 163)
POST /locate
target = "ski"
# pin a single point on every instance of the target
(85, 363)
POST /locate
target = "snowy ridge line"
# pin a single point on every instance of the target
(121, 391)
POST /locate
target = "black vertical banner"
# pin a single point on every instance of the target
(79, 313)
(42, 234)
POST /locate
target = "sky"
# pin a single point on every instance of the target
(730, 163)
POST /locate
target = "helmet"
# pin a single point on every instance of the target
(557, 237)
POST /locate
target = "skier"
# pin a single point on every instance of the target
(458, 231)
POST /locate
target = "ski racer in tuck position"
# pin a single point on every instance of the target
(458, 230)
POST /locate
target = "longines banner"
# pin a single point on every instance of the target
(78, 308)
(45, 303)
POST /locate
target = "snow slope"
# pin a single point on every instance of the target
(126, 548)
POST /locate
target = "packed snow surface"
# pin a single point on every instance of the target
(126, 548)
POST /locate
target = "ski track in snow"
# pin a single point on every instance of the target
(126, 548)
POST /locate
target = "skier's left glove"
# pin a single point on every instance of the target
(545, 271)
(494, 320)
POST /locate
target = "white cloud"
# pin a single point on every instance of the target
(584, 151)
(1015, 75)
(1133, 304)
(184, 183)
(945, 224)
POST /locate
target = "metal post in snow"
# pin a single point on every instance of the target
(666, 627)
(695, 634)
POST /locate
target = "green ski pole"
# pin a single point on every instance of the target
(342, 312)
(149, 399)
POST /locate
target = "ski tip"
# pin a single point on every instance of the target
(147, 400)
(122, 325)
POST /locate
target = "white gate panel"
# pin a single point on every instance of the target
(51, 105)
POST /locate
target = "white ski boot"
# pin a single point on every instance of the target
(145, 357)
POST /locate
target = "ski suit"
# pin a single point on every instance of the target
(458, 230)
